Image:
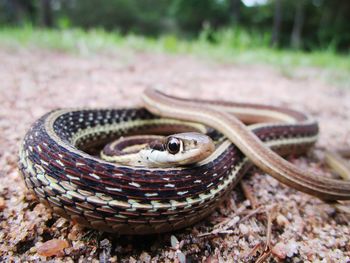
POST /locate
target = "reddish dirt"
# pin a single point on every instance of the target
(303, 228)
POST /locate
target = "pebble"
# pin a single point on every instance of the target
(2, 203)
(244, 229)
(292, 248)
(282, 220)
(73, 235)
(279, 250)
(145, 257)
(53, 247)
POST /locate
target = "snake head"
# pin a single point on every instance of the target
(177, 150)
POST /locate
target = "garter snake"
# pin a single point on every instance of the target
(58, 162)
(159, 151)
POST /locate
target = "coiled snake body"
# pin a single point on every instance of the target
(58, 163)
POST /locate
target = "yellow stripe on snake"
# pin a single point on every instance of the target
(60, 163)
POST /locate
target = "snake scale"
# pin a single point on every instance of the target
(59, 164)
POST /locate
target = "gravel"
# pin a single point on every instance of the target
(285, 225)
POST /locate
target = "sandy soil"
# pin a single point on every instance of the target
(303, 228)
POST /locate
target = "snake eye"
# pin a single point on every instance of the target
(173, 145)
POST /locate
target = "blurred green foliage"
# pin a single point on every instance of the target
(304, 24)
(141, 17)
(236, 46)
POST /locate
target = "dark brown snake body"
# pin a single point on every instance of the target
(129, 200)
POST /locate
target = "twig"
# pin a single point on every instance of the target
(338, 164)
(239, 211)
(256, 211)
(230, 223)
(270, 217)
(263, 256)
(340, 207)
(248, 192)
(215, 232)
(253, 251)
(271, 214)
(300, 223)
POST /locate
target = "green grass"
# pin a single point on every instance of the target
(231, 46)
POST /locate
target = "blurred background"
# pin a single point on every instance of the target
(288, 24)
(295, 36)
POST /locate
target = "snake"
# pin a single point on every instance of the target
(60, 164)
(159, 151)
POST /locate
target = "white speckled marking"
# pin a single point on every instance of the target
(135, 184)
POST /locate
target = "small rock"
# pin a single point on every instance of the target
(244, 229)
(113, 259)
(292, 248)
(2, 203)
(53, 247)
(282, 220)
(181, 257)
(72, 236)
(279, 250)
(60, 222)
(145, 257)
(174, 242)
(106, 247)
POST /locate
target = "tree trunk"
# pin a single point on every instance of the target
(277, 21)
(235, 7)
(295, 39)
(15, 10)
(46, 13)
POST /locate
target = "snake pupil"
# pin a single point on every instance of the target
(173, 145)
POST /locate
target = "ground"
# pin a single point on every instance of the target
(303, 228)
